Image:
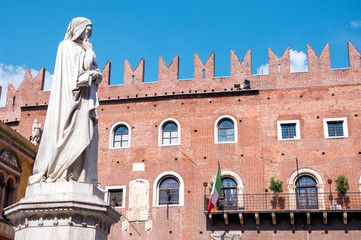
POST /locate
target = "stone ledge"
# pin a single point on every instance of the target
(67, 210)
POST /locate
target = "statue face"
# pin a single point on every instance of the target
(87, 33)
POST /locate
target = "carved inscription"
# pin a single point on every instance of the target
(138, 200)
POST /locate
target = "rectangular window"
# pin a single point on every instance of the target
(115, 196)
(335, 127)
(288, 130)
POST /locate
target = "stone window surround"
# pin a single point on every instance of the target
(306, 171)
(160, 132)
(5, 177)
(106, 195)
(227, 173)
(344, 126)
(111, 135)
(279, 130)
(235, 127)
(158, 180)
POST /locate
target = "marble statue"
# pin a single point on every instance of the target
(69, 147)
(35, 133)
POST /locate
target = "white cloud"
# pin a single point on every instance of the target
(263, 69)
(48, 81)
(298, 63)
(15, 75)
(355, 24)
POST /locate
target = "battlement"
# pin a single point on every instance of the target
(30, 91)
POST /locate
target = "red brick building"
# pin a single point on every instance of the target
(160, 144)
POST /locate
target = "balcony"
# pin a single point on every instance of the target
(302, 206)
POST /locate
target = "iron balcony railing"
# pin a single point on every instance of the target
(286, 201)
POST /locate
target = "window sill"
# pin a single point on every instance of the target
(117, 207)
(118, 147)
(168, 145)
(171, 205)
(224, 142)
(336, 137)
(289, 139)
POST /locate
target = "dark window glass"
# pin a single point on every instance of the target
(121, 137)
(306, 191)
(288, 131)
(228, 198)
(169, 191)
(335, 129)
(170, 134)
(226, 131)
(116, 197)
(9, 196)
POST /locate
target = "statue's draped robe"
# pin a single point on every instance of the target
(69, 145)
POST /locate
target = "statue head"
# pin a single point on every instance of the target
(79, 28)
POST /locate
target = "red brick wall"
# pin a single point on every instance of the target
(256, 157)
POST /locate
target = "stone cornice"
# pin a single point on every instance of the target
(18, 139)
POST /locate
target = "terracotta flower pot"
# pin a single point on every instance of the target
(215, 208)
(278, 207)
(344, 206)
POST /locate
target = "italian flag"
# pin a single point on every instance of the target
(216, 190)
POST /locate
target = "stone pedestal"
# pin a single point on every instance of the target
(62, 210)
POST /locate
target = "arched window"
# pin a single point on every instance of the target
(120, 135)
(226, 131)
(306, 193)
(169, 191)
(9, 196)
(228, 199)
(169, 132)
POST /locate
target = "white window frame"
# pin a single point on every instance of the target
(227, 173)
(279, 130)
(160, 132)
(106, 195)
(235, 129)
(306, 171)
(111, 135)
(344, 126)
(156, 188)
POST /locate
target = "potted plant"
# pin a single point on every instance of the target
(342, 187)
(276, 187)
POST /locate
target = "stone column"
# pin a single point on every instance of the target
(62, 210)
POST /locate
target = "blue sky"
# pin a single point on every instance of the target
(32, 30)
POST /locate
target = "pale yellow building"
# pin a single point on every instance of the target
(17, 156)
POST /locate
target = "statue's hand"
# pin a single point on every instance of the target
(87, 45)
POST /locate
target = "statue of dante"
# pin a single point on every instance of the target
(69, 147)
